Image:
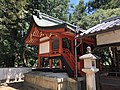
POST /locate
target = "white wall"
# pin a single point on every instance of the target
(44, 48)
(13, 73)
(108, 37)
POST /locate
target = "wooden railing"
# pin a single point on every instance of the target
(69, 54)
(69, 58)
(110, 74)
(116, 74)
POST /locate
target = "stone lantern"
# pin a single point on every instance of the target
(90, 69)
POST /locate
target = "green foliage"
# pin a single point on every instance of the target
(78, 13)
(88, 21)
(12, 18)
(15, 19)
(103, 9)
(55, 8)
(102, 4)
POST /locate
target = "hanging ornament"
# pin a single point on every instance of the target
(40, 34)
(50, 34)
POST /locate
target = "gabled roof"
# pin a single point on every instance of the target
(105, 26)
(48, 22)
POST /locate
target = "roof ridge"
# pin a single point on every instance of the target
(55, 19)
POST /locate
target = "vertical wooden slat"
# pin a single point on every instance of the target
(61, 66)
(50, 63)
(39, 56)
(50, 46)
(60, 44)
(72, 46)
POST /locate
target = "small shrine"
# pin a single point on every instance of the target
(107, 34)
(56, 43)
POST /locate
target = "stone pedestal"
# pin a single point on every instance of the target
(90, 78)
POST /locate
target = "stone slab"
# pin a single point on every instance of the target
(37, 80)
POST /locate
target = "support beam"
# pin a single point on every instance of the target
(50, 63)
(60, 44)
(50, 45)
(39, 57)
(81, 47)
(61, 66)
(72, 46)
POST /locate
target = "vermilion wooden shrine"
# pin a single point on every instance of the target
(55, 39)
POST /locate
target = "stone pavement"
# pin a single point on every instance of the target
(7, 88)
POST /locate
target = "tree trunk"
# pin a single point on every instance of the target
(25, 63)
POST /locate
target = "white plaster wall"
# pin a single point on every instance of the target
(13, 73)
(44, 47)
(108, 37)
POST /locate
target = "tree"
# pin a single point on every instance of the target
(93, 5)
(12, 23)
(15, 18)
(55, 8)
(91, 20)
(78, 13)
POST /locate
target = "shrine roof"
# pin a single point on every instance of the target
(105, 26)
(48, 22)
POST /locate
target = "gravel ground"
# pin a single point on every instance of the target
(11, 86)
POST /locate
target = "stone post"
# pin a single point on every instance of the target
(90, 69)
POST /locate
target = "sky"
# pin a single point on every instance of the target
(75, 2)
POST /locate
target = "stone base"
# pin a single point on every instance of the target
(48, 81)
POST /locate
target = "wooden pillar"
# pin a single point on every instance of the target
(38, 57)
(50, 63)
(50, 45)
(60, 44)
(117, 60)
(72, 46)
(61, 66)
(114, 60)
(81, 47)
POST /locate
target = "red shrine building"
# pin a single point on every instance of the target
(56, 43)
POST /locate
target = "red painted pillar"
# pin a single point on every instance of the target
(38, 57)
(50, 63)
(38, 61)
(81, 47)
(61, 66)
(72, 45)
(60, 44)
(50, 46)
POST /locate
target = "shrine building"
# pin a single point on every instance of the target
(56, 43)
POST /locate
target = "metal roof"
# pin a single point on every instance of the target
(104, 26)
(46, 21)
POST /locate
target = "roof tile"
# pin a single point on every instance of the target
(109, 23)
